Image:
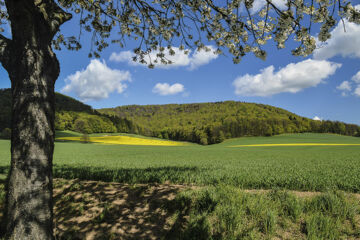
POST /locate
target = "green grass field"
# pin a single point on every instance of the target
(305, 168)
(219, 210)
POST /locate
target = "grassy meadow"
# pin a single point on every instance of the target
(297, 167)
(244, 188)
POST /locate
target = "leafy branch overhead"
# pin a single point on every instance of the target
(234, 25)
(160, 24)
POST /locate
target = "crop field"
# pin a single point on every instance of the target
(208, 202)
(294, 167)
(124, 140)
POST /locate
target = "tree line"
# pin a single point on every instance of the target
(93, 123)
(209, 123)
(219, 131)
(70, 115)
(203, 123)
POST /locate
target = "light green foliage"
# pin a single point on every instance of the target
(225, 212)
(209, 123)
(83, 123)
(332, 204)
(268, 223)
(290, 206)
(320, 227)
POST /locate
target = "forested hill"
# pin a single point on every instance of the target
(204, 123)
(66, 103)
(208, 123)
(70, 115)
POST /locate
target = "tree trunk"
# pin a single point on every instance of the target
(29, 199)
(33, 69)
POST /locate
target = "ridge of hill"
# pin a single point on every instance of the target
(204, 123)
(71, 114)
(208, 123)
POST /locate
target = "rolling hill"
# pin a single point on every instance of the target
(71, 115)
(209, 123)
(204, 123)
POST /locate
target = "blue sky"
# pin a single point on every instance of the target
(324, 84)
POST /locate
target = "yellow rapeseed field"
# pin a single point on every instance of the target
(298, 144)
(125, 140)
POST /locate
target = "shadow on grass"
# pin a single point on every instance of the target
(127, 175)
(121, 175)
(97, 210)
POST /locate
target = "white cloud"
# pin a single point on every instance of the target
(259, 4)
(124, 56)
(165, 89)
(341, 43)
(96, 82)
(356, 77)
(180, 59)
(357, 91)
(292, 78)
(200, 58)
(316, 118)
(344, 86)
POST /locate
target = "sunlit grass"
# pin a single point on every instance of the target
(225, 212)
(305, 168)
(125, 140)
(297, 144)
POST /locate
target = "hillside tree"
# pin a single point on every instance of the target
(157, 25)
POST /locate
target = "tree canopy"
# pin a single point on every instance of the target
(209, 123)
(233, 25)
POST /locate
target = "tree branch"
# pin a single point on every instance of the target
(58, 19)
(4, 50)
(57, 16)
(25, 17)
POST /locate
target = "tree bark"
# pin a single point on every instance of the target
(29, 195)
(33, 69)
